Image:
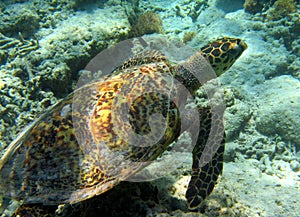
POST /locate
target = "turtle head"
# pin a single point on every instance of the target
(222, 53)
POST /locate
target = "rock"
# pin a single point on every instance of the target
(278, 109)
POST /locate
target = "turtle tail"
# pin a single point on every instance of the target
(207, 158)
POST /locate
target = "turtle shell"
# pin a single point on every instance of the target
(96, 137)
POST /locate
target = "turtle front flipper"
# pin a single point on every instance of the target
(207, 157)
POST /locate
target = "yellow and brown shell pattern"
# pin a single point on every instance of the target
(77, 149)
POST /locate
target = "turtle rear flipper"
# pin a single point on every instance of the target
(207, 158)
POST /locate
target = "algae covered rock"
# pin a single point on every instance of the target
(253, 6)
(236, 117)
(278, 110)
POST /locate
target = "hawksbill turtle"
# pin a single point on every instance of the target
(81, 147)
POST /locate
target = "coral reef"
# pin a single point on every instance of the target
(35, 70)
(11, 48)
(282, 8)
(147, 23)
(19, 17)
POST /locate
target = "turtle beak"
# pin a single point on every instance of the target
(237, 50)
(244, 45)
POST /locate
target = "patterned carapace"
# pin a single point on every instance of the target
(81, 146)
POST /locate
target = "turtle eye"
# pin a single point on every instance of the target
(235, 50)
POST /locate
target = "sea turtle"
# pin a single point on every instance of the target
(75, 150)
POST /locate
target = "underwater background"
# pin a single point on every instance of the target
(45, 44)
